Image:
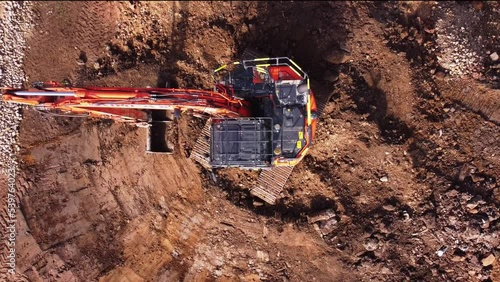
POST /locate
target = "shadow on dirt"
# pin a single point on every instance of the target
(167, 74)
(372, 101)
(304, 33)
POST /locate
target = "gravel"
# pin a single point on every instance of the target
(466, 36)
(15, 21)
(461, 47)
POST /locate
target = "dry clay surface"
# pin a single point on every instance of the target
(401, 183)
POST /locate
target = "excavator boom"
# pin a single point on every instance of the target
(124, 104)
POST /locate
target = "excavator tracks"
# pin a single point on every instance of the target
(201, 151)
(271, 182)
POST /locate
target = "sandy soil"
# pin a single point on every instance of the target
(406, 160)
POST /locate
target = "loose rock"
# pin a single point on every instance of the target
(371, 244)
(494, 57)
(321, 216)
(489, 260)
(337, 57)
(15, 20)
(328, 226)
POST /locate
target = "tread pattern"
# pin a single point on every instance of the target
(271, 182)
(201, 150)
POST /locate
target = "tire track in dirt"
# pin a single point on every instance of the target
(66, 30)
(96, 24)
(473, 95)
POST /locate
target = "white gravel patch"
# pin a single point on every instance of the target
(15, 22)
(461, 38)
(461, 49)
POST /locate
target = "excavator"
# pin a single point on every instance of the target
(261, 114)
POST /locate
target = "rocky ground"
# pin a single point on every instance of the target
(400, 185)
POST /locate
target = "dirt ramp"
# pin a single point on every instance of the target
(473, 95)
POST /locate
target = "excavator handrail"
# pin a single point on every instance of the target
(293, 65)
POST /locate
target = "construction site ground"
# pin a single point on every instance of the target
(401, 183)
